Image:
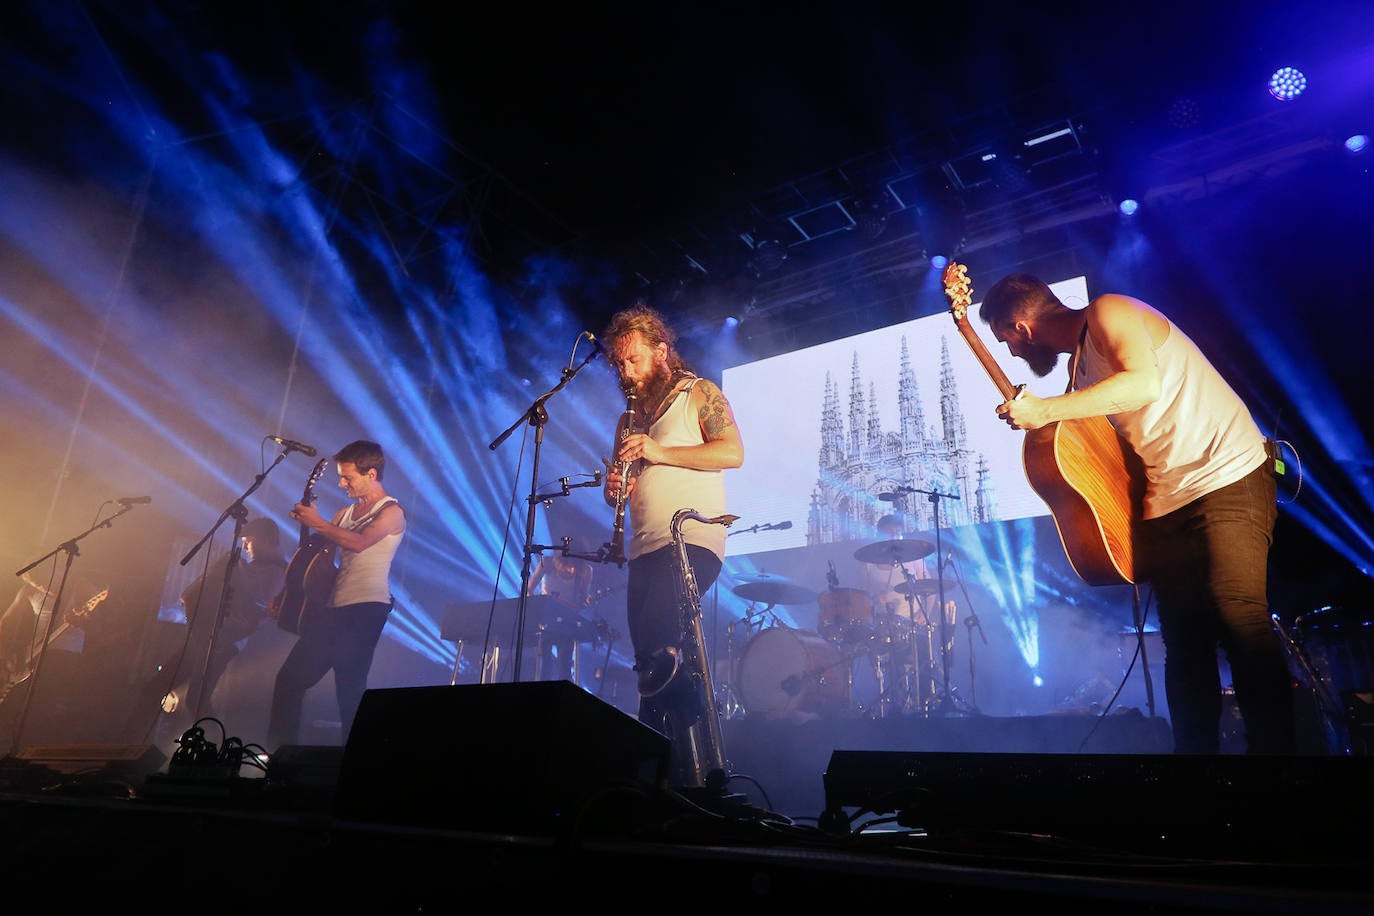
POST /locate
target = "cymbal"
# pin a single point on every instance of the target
(774, 590)
(922, 587)
(886, 553)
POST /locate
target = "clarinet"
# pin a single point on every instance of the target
(615, 548)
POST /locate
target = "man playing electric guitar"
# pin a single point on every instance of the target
(26, 630)
(1210, 495)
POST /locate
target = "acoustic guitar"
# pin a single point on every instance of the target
(310, 574)
(1091, 479)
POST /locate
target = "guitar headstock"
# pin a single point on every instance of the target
(91, 604)
(957, 288)
(309, 496)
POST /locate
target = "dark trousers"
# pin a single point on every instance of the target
(656, 618)
(339, 638)
(1208, 565)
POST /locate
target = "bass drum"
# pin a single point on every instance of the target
(785, 671)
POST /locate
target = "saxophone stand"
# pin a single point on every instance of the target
(536, 415)
(71, 550)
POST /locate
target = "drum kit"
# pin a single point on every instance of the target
(864, 658)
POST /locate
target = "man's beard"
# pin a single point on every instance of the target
(1041, 360)
(651, 389)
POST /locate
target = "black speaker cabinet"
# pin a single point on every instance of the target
(1299, 804)
(38, 765)
(539, 758)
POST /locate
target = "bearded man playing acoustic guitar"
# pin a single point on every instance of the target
(1209, 505)
(343, 635)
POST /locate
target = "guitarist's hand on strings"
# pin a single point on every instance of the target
(1025, 411)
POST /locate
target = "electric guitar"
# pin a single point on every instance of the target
(75, 617)
(1091, 479)
(310, 574)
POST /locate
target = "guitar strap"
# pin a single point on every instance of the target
(1077, 352)
(361, 523)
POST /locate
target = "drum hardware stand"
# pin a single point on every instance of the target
(726, 696)
(1337, 731)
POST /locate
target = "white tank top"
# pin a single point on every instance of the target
(1198, 437)
(663, 489)
(364, 576)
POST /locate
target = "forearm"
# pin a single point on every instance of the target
(709, 456)
(1119, 393)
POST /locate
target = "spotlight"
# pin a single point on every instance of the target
(1357, 143)
(1287, 83)
(1128, 206)
(731, 322)
(939, 261)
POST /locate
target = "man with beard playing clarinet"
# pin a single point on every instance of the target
(682, 437)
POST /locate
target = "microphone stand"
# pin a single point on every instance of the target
(780, 526)
(972, 623)
(239, 513)
(935, 498)
(72, 550)
(538, 417)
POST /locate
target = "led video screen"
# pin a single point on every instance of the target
(836, 434)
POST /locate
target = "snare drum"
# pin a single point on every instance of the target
(784, 671)
(846, 615)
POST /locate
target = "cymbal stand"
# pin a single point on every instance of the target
(935, 498)
(537, 416)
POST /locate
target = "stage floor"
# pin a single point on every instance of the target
(540, 793)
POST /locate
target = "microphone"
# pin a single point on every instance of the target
(127, 501)
(780, 526)
(595, 343)
(293, 445)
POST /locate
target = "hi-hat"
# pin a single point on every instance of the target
(922, 587)
(902, 550)
(774, 590)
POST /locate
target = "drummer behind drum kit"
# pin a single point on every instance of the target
(785, 672)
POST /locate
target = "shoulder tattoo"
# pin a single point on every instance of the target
(714, 412)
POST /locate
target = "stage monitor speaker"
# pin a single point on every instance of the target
(540, 758)
(40, 765)
(1176, 800)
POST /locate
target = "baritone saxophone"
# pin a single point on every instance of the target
(705, 743)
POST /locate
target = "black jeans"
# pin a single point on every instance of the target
(340, 638)
(1208, 564)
